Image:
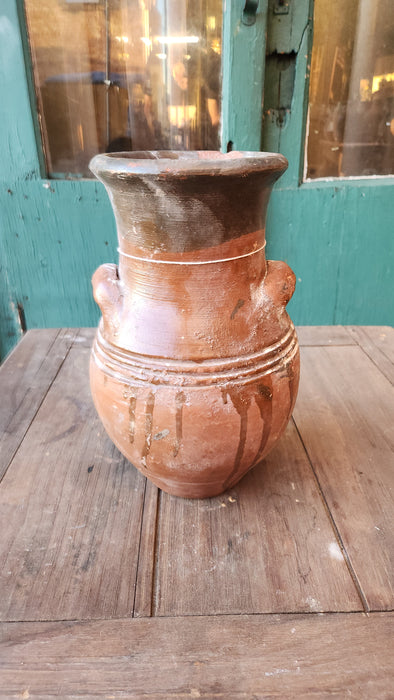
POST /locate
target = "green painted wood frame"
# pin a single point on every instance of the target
(336, 233)
(54, 233)
(243, 62)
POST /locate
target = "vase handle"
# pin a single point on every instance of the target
(279, 282)
(108, 295)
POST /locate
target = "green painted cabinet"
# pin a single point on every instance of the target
(336, 233)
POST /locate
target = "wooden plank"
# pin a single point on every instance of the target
(344, 413)
(324, 335)
(20, 367)
(378, 343)
(70, 512)
(383, 338)
(288, 656)
(265, 546)
(25, 378)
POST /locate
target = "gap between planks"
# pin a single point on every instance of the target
(343, 414)
(335, 528)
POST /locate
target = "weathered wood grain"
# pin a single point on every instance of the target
(70, 512)
(287, 656)
(25, 378)
(383, 338)
(378, 343)
(265, 546)
(344, 413)
(324, 335)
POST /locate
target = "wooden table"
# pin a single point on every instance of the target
(282, 587)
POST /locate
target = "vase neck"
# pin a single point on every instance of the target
(242, 247)
(205, 279)
(165, 218)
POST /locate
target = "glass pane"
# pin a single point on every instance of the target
(117, 75)
(351, 115)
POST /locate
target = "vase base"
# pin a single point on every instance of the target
(190, 490)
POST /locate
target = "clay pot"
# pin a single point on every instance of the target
(195, 366)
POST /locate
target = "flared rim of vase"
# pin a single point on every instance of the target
(180, 163)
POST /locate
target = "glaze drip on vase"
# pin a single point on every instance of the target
(195, 366)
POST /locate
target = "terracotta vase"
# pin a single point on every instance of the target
(195, 366)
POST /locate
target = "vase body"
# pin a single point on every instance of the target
(195, 365)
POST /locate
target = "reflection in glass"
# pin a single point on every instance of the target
(116, 75)
(351, 113)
